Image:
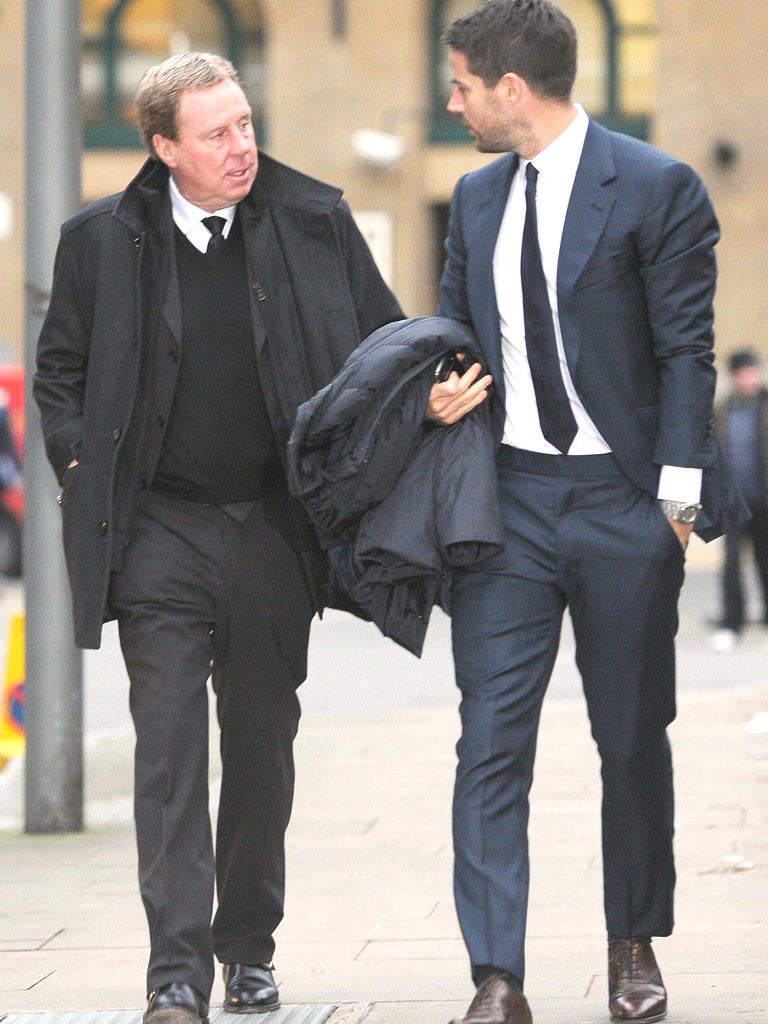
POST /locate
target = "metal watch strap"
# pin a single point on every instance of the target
(680, 511)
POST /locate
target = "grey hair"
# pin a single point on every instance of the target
(161, 87)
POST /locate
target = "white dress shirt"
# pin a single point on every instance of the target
(189, 218)
(557, 166)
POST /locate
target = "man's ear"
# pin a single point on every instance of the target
(512, 86)
(164, 149)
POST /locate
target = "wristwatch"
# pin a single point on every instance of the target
(680, 511)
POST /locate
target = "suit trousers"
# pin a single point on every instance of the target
(578, 535)
(202, 594)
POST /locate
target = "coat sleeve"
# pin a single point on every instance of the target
(62, 358)
(373, 301)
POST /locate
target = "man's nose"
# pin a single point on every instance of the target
(237, 141)
(455, 105)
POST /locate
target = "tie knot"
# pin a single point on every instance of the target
(531, 174)
(215, 224)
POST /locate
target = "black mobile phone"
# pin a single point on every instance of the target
(448, 364)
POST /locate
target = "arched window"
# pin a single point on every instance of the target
(616, 72)
(122, 38)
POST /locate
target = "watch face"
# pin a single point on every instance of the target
(689, 514)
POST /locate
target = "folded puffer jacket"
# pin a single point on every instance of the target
(398, 503)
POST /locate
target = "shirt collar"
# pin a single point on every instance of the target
(560, 160)
(187, 216)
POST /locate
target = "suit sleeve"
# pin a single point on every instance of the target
(452, 299)
(677, 266)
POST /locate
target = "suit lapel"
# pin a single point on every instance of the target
(482, 233)
(592, 199)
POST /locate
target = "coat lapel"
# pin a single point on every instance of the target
(258, 237)
(171, 311)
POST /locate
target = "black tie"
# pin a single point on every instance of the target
(216, 226)
(555, 414)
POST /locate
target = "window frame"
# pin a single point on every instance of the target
(114, 132)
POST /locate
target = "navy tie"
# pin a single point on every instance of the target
(216, 226)
(555, 414)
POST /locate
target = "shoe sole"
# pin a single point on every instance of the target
(165, 1012)
(251, 1009)
(639, 1020)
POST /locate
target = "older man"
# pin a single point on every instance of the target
(190, 316)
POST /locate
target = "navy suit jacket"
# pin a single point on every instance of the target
(635, 285)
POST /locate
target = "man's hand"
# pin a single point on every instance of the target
(683, 531)
(454, 397)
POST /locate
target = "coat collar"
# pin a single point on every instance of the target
(276, 182)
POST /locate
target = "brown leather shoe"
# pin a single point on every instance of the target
(635, 988)
(496, 1002)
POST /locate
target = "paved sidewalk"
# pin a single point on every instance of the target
(370, 932)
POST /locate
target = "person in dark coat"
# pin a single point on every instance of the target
(584, 262)
(190, 317)
(742, 425)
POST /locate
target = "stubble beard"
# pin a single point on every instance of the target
(517, 137)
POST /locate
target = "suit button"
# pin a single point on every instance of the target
(103, 527)
(173, 355)
(117, 434)
(160, 420)
(143, 485)
(260, 293)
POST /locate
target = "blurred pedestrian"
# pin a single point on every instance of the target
(190, 316)
(584, 261)
(742, 423)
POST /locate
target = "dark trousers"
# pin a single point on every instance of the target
(578, 535)
(201, 595)
(755, 533)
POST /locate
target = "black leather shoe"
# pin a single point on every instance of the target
(177, 1003)
(250, 989)
(635, 989)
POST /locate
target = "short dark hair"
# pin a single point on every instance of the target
(530, 38)
(161, 88)
(741, 359)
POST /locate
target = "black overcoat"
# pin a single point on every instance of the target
(315, 292)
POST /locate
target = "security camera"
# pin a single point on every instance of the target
(378, 149)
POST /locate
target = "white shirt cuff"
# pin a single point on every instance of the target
(677, 483)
